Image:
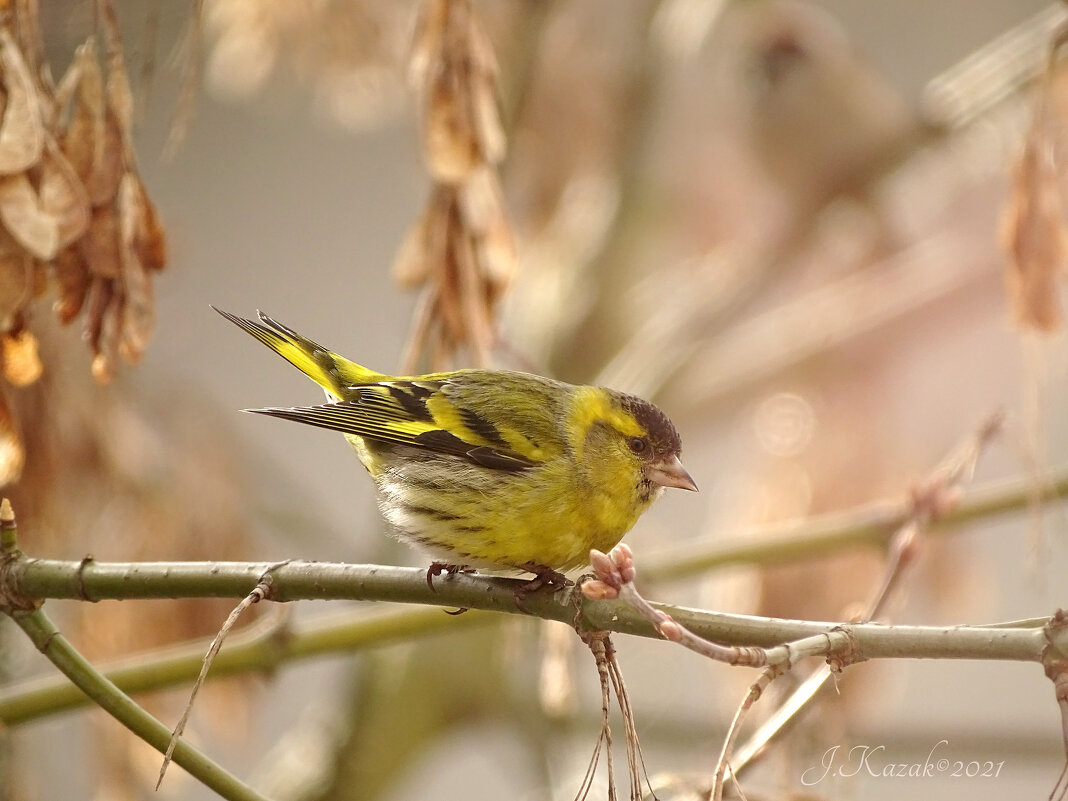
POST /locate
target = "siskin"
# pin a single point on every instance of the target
(491, 468)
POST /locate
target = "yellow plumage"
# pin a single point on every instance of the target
(491, 467)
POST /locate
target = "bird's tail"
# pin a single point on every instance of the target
(332, 372)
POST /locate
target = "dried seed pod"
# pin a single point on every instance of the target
(118, 94)
(461, 248)
(150, 240)
(22, 129)
(25, 220)
(482, 205)
(485, 109)
(16, 284)
(497, 258)
(475, 313)
(62, 195)
(1033, 232)
(450, 143)
(84, 140)
(108, 342)
(454, 62)
(138, 308)
(411, 266)
(21, 362)
(100, 245)
(106, 272)
(49, 215)
(97, 300)
(72, 283)
(12, 452)
(39, 283)
(426, 41)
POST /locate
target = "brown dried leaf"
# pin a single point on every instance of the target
(22, 364)
(22, 216)
(62, 195)
(106, 358)
(22, 130)
(149, 240)
(16, 267)
(31, 45)
(108, 171)
(487, 122)
(482, 207)
(439, 223)
(426, 43)
(450, 142)
(485, 110)
(38, 278)
(119, 96)
(1033, 233)
(93, 140)
(50, 216)
(82, 141)
(138, 312)
(12, 452)
(100, 245)
(98, 298)
(481, 200)
(138, 308)
(475, 314)
(425, 243)
(411, 266)
(449, 296)
(72, 279)
(70, 83)
(497, 258)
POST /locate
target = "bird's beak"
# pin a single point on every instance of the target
(669, 472)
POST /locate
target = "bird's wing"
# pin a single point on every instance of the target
(419, 414)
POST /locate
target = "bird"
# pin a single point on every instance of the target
(490, 469)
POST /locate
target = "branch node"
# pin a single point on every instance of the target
(842, 656)
(83, 591)
(8, 529)
(12, 600)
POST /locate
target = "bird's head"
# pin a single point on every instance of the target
(632, 437)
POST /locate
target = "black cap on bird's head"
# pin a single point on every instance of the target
(661, 446)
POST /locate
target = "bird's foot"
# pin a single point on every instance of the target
(543, 577)
(437, 568)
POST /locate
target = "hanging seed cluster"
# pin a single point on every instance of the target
(75, 219)
(461, 251)
(1033, 232)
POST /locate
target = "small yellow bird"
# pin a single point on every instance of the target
(491, 468)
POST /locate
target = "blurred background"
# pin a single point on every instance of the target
(804, 228)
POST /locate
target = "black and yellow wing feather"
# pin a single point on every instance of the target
(460, 413)
(377, 416)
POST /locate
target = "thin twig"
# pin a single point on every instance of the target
(597, 643)
(931, 498)
(259, 592)
(753, 694)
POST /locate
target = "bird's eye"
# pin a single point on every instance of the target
(637, 444)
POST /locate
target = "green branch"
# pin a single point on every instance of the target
(258, 649)
(116, 703)
(261, 647)
(296, 580)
